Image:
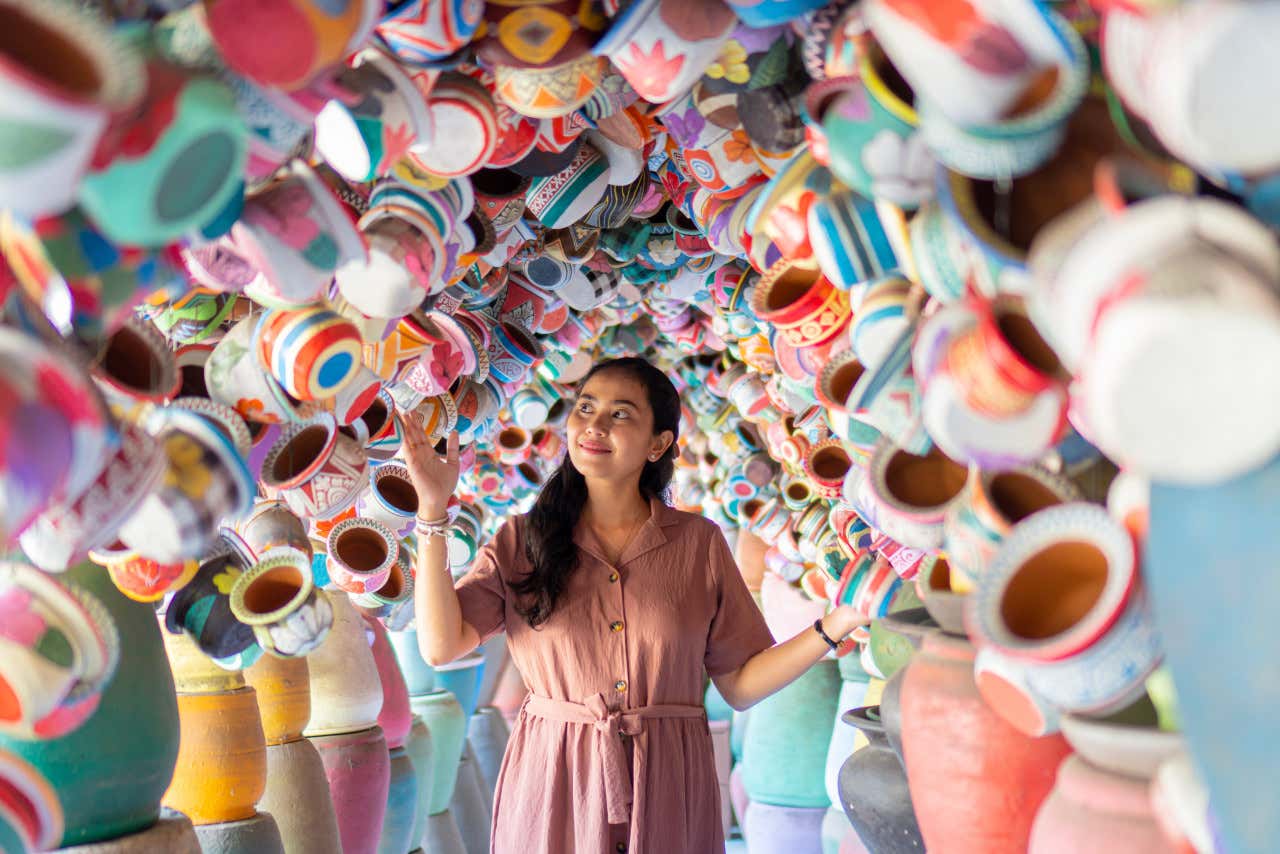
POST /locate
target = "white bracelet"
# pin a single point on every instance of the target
(427, 528)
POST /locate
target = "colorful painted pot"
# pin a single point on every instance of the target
(563, 198)
(462, 111)
(423, 32)
(202, 608)
(538, 34)
(317, 469)
(290, 618)
(135, 368)
(849, 241)
(141, 578)
(222, 761)
(395, 596)
(907, 495)
(383, 426)
(32, 819)
(804, 307)
(272, 525)
(57, 101)
(361, 554)
(764, 13)
(391, 498)
(548, 92)
(313, 352)
(662, 47)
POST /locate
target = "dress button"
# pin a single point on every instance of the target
(620, 686)
(621, 847)
(613, 577)
(615, 626)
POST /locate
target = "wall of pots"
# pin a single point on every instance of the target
(974, 307)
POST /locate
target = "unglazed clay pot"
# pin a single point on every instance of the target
(346, 691)
(297, 795)
(470, 805)
(418, 746)
(258, 833)
(419, 677)
(395, 717)
(1094, 810)
(193, 671)
(222, 759)
(171, 834)
(770, 829)
(359, 770)
(133, 735)
(402, 806)
(785, 748)
(977, 782)
(284, 696)
(443, 716)
(874, 791)
(488, 733)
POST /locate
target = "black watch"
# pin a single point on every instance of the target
(817, 627)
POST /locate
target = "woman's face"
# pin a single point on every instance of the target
(610, 428)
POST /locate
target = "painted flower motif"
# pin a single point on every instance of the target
(685, 128)
(187, 471)
(901, 169)
(396, 142)
(731, 64)
(738, 147)
(251, 408)
(18, 622)
(304, 630)
(651, 74)
(225, 580)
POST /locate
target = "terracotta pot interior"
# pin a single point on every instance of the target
(349, 431)
(375, 417)
(1021, 335)
(299, 453)
(843, 379)
(273, 590)
(538, 435)
(512, 438)
(530, 472)
(831, 463)
(940, 576)
(1053, 590)
(256, 430)
(394, 585)
(361, 549)
(789, 287)
(497, 183)
(441, 447)
(398, 492)
(556, 410)
(1017, 495)
(799, 491)
(928, 481)
(193, 384)
(29, 44)
(131, 362)
(1038, 93)
(751, 508)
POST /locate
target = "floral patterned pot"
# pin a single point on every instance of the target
(290, 618)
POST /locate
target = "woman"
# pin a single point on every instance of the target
(613, 604)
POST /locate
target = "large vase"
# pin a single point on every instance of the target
(784, 751)
(284, 696)
(443, 716)
(297, 796)
(976, 782)
(842, 737)
(394, 718)
(193, 671)
(418, 746)
(258, 833)
(874, 792)
(1095, 810)
(1209, 550)
(358, 767)
(222, 760)
(771, 829)
(132, 737)
(402, 806)
(462, 679)
(346, 691)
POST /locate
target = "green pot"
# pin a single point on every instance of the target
(784, 754)
(447, 723)
(111, 772)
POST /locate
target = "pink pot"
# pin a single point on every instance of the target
(395, 717)
(358, 766)
(1094, 810)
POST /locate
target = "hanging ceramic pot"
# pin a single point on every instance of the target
(361, 554)
(313, 353)
(396, 593)
(272, 525)
(277, 598)
(391, 498)
(134, 368)
(317, 469)
(202, 609)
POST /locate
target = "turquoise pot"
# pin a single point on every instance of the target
(1210, 552)
(717, 708)
(462, 679)
(738, 733)
(447, 723)
(784, 753)
(419, 676)
(133, 736)
(420, 752)
(402, 806)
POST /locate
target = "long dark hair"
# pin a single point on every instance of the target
(549, 526)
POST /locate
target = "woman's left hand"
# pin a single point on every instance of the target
(840, 622)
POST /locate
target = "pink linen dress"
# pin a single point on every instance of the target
(611, 751)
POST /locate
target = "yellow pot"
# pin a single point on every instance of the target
(193, 671)
(284, 696)
(222, 757)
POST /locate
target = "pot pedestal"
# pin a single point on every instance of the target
(402, 806)
(443, 716)
(297, 796)
(487, 733)
(222, 758)
(441, 835)
(358, 767)
(472, 810)
(783, 830)
(419, 749)
(1091, 809)
(172, 834)
(258, 834)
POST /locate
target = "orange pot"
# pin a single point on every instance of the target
(284, 696)
(222, 757)
(193, 671)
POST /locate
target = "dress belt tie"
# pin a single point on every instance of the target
(609, 727)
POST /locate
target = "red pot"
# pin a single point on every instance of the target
(976, 782)
(1095, 810)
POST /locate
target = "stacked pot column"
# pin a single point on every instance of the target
(396, 721)
(346, 699)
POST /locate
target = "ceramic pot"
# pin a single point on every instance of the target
(395, 593)
(418, 675)
(289, 616)
(193, 671)
(462, 679)
(842, 737)
(662, 48)
(395, 717)
(402, 806)
(770, 829)
(802, 304)
(1007, 774)
(222, 759)
(313, 352)
(874, 791)
(471, 806)
(488, 733)
(418, 746)
(391, 499)
(132, 734)
(785, 749)
(259, 833)
(1094, 810)
(447, 723)
(361, 554)
(317, 469)
(906, 495)
(297, 796)
(463, 111)
(441, 834)
(135, 368)
(346, 691)
(283, 686)
(172, 833)
(358, 767)
(272, 525)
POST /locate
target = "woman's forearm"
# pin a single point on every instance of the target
(773, 669)
(442, 634)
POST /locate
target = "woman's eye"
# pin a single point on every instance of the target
(620, 413)
(584, 407)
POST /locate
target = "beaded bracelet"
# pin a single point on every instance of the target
(426, 528)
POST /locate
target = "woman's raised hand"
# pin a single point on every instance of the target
(434, 477)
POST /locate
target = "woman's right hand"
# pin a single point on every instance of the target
(434, 477)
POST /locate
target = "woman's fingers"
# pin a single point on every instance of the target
(451, 448)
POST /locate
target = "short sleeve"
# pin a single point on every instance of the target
(738, 630)
(482, 594)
